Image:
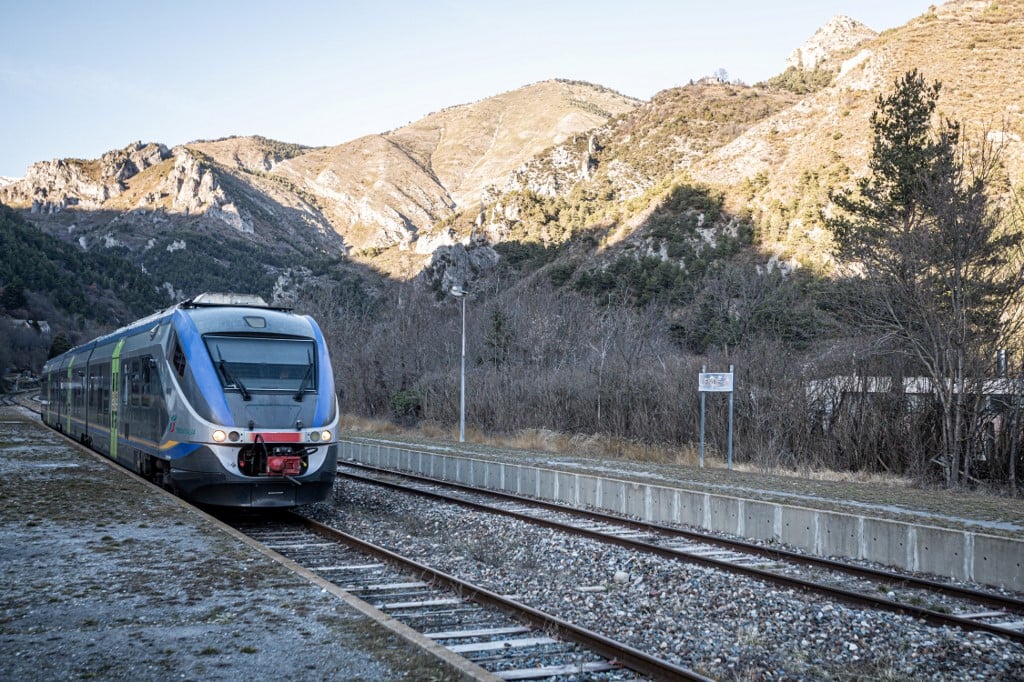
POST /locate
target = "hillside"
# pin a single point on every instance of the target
(396, 189)
(771, 151)
(472, 147)
(972, 48)
(75, 293)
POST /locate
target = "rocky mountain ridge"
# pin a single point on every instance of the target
(541, 163)
(373, 193)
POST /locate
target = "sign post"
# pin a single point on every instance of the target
(703, 402)
(715, 382)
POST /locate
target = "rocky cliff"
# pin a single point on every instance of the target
(839, 35)
(50, 186)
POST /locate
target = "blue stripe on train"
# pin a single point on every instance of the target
(202, 368)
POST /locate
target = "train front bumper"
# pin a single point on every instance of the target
(202, 478)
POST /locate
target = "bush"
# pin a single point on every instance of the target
(800, 81)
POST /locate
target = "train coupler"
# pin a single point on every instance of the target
(284, 466)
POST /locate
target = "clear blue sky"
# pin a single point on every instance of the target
(79, 78)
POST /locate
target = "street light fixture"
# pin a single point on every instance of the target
(459, 292)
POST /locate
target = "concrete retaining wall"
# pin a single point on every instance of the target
(962, 555)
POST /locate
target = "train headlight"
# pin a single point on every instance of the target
(325, 436)
(314, 436)
(234, 436)
(219, 436)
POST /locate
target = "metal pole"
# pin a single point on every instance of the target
(703, 368)
(462, 390)
(733, 391)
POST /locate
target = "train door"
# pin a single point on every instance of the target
(94, 389)
(50, 392)
(86, 375)
(67, 395)
(57, 396)
(115, 396)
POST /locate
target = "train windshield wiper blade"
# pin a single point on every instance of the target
(305, 380)
(230, 378)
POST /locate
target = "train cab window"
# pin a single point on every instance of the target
(248, 363)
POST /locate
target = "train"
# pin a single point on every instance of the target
(222, 399)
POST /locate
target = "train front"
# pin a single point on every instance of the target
(257, 422)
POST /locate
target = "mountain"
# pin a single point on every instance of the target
(773, 151)
(395, 188)
(542, 164)
(364, 196)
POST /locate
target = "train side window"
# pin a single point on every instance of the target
(146, 367)
(178, 358)
(78, 392)
(132, 376)
(136, 382)
(94, 388)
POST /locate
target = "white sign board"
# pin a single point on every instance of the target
(718, 382)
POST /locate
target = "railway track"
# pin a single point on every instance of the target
(22, 399)
(763, 621)
(962, 607)
(509, 639)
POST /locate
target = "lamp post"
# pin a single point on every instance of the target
(459, 292)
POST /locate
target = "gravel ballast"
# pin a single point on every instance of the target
(722, 625)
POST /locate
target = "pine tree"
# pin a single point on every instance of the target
(938, 263)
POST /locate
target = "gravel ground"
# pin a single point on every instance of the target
(105, 579)
(724, 626)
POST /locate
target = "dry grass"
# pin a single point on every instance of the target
(603, 446)
(889, 480)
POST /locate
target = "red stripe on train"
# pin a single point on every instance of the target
(277, 437)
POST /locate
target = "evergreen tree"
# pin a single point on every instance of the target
(60, 344)
(937, 263)
(13, 296)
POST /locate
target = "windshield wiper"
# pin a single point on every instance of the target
(305, 379)
(228, 377)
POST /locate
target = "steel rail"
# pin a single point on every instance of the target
(849, 596)
(631, 658)
(982, 597)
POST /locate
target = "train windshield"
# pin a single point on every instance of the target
(258, 363)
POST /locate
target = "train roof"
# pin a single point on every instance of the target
(204, 300)
(212, 299)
